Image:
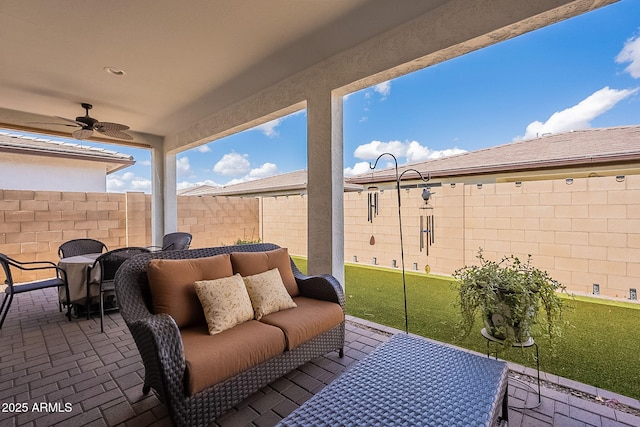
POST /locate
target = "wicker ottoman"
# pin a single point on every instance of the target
(410, 381)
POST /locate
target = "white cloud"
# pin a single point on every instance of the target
(357, 169)
(413, 151)
(419, 153)
(383, 88)
(580, 115)
(128, 181)
(631, 53)
(145, 162)
(409, 151)
(267, 169)
(141, 184)
(237, 181)
(186, 184)
(373, 149)
(128, 176)
(232, 164)
(115, 184)
(203, 149)
(183, 168)
(269, 128)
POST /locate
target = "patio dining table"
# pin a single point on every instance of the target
(76, 268)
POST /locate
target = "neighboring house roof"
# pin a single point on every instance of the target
(283, 184)
(40, 146)
(584, 148)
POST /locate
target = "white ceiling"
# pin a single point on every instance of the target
(183, 59)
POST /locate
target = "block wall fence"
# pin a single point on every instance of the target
(584, 233)
(33, 224)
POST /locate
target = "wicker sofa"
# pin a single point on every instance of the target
(179, 355)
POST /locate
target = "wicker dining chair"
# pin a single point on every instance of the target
(176, 241)
(108, 262)
(81, 247)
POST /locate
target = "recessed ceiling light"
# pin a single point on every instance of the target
(115, 71)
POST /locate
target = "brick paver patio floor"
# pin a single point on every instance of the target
(77, 376)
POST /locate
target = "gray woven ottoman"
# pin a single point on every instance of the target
(410, 381)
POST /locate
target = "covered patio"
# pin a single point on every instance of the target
(181, 76)
(85, 378)
(184, 75)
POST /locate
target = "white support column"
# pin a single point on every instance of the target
(170, 196)
(157, 194)
(325, 184)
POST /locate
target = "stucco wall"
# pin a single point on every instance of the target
(20, 172)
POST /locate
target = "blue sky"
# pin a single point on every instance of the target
(577, 74)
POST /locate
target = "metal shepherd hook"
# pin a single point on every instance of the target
(398, 179)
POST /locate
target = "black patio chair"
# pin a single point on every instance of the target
(108, 262)
(174, 241)
(80, 247)
(12, 289)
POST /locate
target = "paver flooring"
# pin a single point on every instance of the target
(54, 372)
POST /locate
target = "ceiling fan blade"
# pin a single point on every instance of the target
(75, 122)
(75, 125)
(82, 133)
(106, 126)
(114, 133)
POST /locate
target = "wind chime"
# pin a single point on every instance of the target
(372, 209)
(427, 222)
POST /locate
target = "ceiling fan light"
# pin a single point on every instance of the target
(115, 71)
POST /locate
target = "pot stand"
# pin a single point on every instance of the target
(529, 343)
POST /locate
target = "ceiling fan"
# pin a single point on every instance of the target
(88, 125)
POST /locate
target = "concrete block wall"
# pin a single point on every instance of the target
(215, 221)
(584, 233)
(284, 222)
(33, 224)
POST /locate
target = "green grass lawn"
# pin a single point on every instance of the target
(601, 346)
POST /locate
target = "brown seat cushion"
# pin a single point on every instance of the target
(251, 263)
(172, 285)
(309, 319)
(211, 359)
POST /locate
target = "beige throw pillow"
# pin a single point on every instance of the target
(225, 302)
(268, 293)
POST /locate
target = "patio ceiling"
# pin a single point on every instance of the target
(187, 60)
(183, 60)
(199, 70)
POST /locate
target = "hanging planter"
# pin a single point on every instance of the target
(515, 299)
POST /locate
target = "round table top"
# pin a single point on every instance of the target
(80, 259)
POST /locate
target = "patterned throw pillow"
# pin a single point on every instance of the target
(225, 302)
(268, 293)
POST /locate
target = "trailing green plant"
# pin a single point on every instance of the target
(246, 241)
(515, 299)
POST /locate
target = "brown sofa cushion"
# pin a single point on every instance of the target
(251, 263)
(309, 319)
(211, 359)
(172, 285)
